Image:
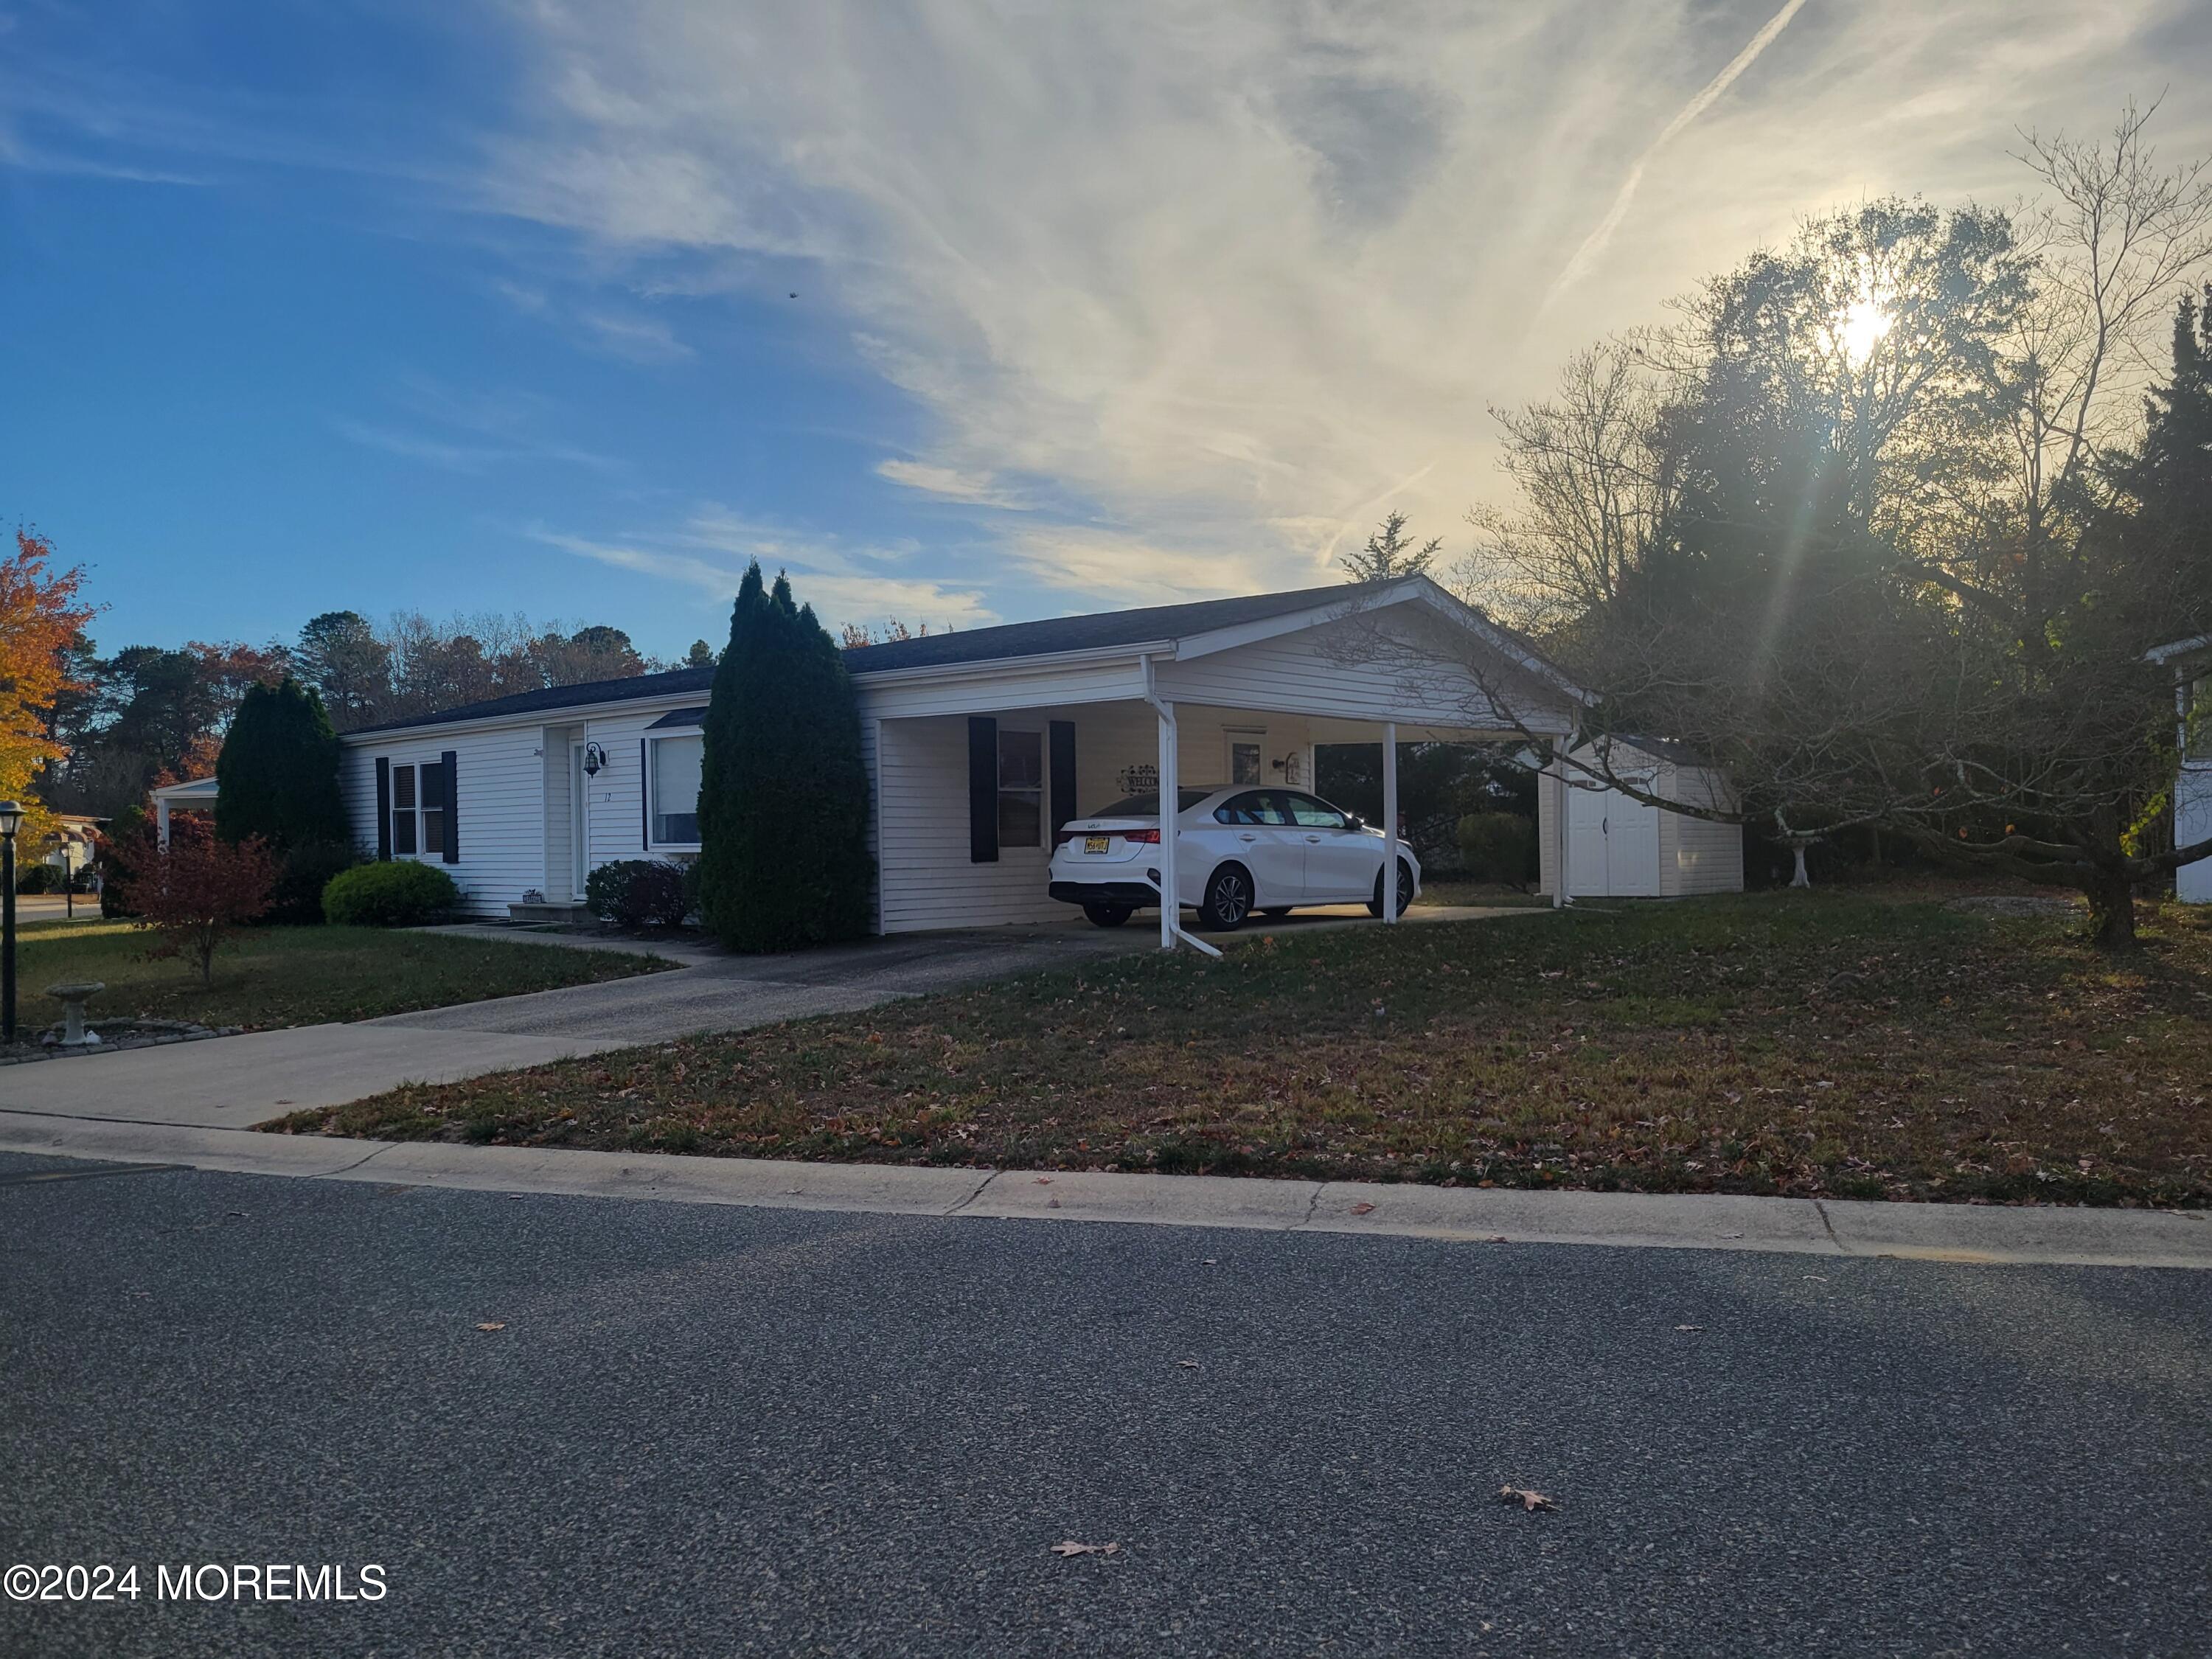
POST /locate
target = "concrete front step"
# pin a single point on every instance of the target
(548, 911)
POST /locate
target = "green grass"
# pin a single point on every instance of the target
(272, 976)
(1843, 1044)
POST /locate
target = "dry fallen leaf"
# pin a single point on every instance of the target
(1191, 1363)
(1361, 1209)
(1525, 1498)
(1689, 1328)
(495, 1325)
(1067, 1547)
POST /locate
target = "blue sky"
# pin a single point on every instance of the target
(314, 304)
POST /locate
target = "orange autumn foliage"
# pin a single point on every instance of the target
(39, 615)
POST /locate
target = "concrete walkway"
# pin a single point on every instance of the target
(237, 1081)
(1960, 1233)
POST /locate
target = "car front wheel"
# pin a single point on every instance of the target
(1227, 899)
(1405, 890)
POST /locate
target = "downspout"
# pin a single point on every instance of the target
(1172, 931)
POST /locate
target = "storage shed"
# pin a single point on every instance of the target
(1618, 846)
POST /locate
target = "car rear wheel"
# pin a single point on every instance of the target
(1227, 899)
(1405, 890)
(1108, 915)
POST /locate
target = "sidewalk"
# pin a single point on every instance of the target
(1955, 1233)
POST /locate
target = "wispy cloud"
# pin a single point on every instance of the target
(708, 552)
(976, 488)
(1595, 244)
(1235, 280)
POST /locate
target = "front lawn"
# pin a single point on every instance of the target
(1816, 1043)
(270, 976)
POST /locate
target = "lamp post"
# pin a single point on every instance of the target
(11, 820)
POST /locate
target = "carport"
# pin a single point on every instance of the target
(981, 744)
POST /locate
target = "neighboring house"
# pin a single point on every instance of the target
(2190, 662)
(1618, 846)
(195, 795)
(978, 743)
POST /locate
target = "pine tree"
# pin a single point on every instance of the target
(1390, 553)
(783, 800)
(277, 776)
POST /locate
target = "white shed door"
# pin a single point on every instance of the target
(1612, 846)
(1632, 847)
(1586, 858)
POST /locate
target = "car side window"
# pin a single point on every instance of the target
(1313, 814)
(1253, 808)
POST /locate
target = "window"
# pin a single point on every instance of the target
(676, 771)
(403, 810)
(1244, 757)
(433, 808)
(1314, 814)
(1021, 788)
(1255, 808)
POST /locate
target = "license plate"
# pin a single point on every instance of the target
(1096, 843)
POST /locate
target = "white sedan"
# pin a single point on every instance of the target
(1237, 850)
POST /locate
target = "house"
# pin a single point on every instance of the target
(2190, 662)
(1619, 846)
(978, 745)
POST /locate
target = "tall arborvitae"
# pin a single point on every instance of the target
(783, 800)
(277, 776)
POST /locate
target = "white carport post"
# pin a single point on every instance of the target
(1559, 837)
(161, 821)
(1390, 821)
(1169, 890)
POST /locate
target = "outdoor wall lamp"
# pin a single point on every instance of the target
(594, 759)
(11, 820)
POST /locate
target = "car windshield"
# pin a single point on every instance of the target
(1148, 806)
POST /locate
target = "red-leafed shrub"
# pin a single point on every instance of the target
(194, 893)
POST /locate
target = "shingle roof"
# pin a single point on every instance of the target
(636, 688)
(1101, 630)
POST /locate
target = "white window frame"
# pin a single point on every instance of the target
(694, 735)
(412, 812)
(1233, 738)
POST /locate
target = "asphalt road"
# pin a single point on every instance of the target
(717, 1430)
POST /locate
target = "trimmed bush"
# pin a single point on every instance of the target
(302, 873)
(783, 800)
(399, 893)
(1499, 847)
(640, 892)
(38, 879)
(277, 776)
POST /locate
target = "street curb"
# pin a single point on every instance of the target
(1986, 1235)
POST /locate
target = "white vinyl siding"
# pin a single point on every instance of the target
(500, 810)
(1358, 670)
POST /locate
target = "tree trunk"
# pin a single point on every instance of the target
(1798, 878)
(2111, 912)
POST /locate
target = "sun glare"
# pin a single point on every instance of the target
(1864, 325)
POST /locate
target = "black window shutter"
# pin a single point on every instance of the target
(447, 760)
(644, 799)
(383, 806)
(1063, 773)
(982, 789)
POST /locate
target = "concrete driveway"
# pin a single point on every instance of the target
(233, 1082)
